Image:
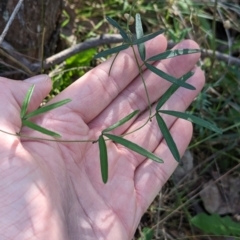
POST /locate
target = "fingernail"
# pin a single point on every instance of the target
(37, 79)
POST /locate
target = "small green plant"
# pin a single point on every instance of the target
(129, 41)
(217, 225)
(25, 117)
(73, 67)
(147, 234)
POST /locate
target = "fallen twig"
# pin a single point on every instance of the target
(107, 39)
(63, 55)
(14, 13)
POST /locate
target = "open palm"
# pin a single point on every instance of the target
(54, 190)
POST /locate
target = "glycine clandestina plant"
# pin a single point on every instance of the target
(129, 41)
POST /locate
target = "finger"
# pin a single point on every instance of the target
(150, 176)
(95, 90)
(12, 95)
(134, 96)
(149, 136)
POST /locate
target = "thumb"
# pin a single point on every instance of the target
(12, 94)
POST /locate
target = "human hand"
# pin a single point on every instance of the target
(54, 190)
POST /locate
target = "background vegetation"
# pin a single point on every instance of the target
(202, 200)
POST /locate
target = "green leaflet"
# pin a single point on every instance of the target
(26, 101)
(139, 34)
(147, 37)
(111, 51)
(121, 122)
(121, 31)
(148, 234)
(168, 138)
(193, 119)
(39, 128)
(46, 108)
(32, 125)
(103, 158)
(217, 225)
(169, 78)
(173, 88)
(134, 147)
(173, 53)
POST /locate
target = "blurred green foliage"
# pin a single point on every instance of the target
(214, 224)
(74, 67)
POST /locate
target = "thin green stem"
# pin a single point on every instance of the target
(213, 135)
(125, 134)
(214, 33)
(46, 139)
(148, 99)
(43, 28)
(42, 50)
(149, 119)
(142, 78)
(112, 63)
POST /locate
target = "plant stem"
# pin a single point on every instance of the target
(144, 84)
(213, 135)
(214, 33)
(137, 128)
(112, 63)
(47, 139)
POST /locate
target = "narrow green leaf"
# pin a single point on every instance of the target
(139, 34)
(173, 53)
(148, 37)
(168, 138)
(169, 78)
(121, 31)
(148, 233)
(111, 51)
(121, 122)
(103, 158)
(26, 101)
(134, 147)
(173, 88)
(216, 224)
(193, 119)
(39, 128)
(47, 108)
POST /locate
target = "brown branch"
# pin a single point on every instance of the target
(91, 43)
(116, 38)
(102, 40)
(23, 67)
(221, 57)
(14, 53)
(14, 13)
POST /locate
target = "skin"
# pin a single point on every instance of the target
(53, 190)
